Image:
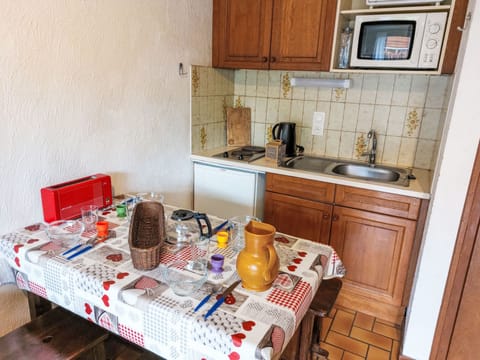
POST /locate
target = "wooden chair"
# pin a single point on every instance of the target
(311, 328)
(305, 343)
(57, 334)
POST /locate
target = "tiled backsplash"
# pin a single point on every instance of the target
(407, 112)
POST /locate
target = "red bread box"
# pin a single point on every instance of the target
(63, 201)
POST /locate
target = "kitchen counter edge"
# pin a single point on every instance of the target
(419, 188)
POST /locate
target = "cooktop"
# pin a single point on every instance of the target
(244, 153)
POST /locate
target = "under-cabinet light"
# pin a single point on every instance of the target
(329, 83)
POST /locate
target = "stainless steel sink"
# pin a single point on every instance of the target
(307, 163)
(351, 169)
(366, 172)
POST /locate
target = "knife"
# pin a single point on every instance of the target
(219, 227)
(220, 301)
(88, 247)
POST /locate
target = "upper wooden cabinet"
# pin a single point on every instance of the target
(273, 34)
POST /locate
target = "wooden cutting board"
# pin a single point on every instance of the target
(238, 126)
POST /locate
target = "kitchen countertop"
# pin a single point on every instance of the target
(419, 188)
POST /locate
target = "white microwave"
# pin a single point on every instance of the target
(398, 41)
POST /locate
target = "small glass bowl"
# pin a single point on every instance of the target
(184, 282)
(65, 233)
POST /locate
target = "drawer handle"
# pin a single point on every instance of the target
(273, 59)
(264, 59)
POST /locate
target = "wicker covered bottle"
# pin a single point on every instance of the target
(257, 263)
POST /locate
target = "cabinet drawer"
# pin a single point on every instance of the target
(379, 202)
(302, 188)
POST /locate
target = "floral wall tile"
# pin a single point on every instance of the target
(361, 145)
(412, 122)
(407, 111)
(286, 85)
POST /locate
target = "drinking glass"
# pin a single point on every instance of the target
(89, 216)
(236, 226)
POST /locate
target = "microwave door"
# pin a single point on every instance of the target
(387, 43)
(379, 48)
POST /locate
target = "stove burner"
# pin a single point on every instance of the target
(245, 153)
(254, 149)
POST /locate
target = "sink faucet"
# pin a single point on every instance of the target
(373, 149)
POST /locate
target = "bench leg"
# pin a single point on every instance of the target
(37, 305)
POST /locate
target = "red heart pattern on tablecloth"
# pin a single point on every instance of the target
(115, 257)
(88, 308)
(32, 241)
(105, 300)
(17, 261)
(248, 325)
(297, 260)
(17, 247)
(106, 284)
(234, 356)
(237, 339)
(122, 275)
(292, 267)
(34, 227)
(282, 239)
(302, 253)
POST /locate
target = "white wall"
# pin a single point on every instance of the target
(93, 86)
(460, 143)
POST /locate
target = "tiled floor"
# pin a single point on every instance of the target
(350, 335)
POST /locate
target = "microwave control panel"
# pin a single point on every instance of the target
(432, 40)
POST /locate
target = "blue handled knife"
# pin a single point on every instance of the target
(204, 300)
(220, 301)
(79, 252)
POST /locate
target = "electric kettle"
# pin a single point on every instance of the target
(185, 229)
(285, 131)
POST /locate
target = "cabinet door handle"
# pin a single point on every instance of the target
(273, 59)
(335, 218)
(326, 216)
(264, 59)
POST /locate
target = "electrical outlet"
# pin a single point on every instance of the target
(318, 123)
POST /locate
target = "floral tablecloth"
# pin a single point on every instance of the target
(102, 286)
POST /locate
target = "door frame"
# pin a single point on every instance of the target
(466, 241)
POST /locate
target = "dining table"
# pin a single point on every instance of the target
(103, 286)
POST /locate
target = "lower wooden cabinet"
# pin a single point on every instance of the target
(298, 217)
(375, 250)
(377, 236)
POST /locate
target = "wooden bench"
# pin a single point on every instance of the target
(57, 334)
(306, 340)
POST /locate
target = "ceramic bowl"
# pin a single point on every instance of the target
(182, 281)
(65, 233)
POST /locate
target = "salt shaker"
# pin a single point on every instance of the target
(345, 44)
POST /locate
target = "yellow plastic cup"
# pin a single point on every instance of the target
(222, 239)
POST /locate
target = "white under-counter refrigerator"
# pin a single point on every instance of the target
(227, 192)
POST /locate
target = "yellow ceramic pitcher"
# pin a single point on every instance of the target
(258, 263)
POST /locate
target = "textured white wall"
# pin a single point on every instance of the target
(460, 142)
(93, 86)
